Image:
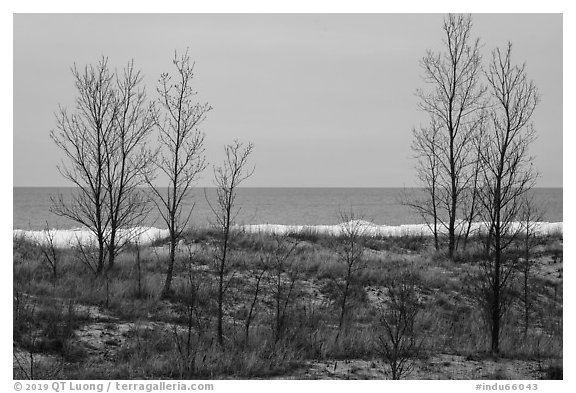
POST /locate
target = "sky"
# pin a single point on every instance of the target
(327, 99)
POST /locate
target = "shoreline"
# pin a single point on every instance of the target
(64, 238)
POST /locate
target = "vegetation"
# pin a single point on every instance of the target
(454, 104)
(227, 179)
(398, 343)
(507, 173)
(473, 159)
(104, 141)
(181, 154)
(280, 317)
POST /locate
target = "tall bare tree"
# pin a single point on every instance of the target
(181, 156)
(126, 158)
(81, 135)
(104, 142)
(453, 104)
(508, 172)
(227, 178)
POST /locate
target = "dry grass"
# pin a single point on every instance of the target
(449, 322)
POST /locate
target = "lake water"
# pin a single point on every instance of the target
(291, 206)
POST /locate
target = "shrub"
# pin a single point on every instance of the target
(396, 340)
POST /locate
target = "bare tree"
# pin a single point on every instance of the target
(397, 343)
(453, 105)
(104, 143)
(50, 253)
(126, 159)
(508, 172)
(81, 137)
(227, 179)
(350, 249)
(187, 343)
(256, 289)
(27, 362)
(283, 277)
(181, 155)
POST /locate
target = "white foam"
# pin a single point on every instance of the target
(146, 235)
(371, 229)
(70, 237)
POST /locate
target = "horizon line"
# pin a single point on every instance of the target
(280, 187)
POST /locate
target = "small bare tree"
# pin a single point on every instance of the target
(27, 362)
(507, 173)
(397, 341)
(350, 249)
(181, 155)
(187, 340)
(227, 179)
(50, 252)
(259, 275)
(283, 278)
(28, 340)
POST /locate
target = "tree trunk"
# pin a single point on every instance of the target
(252, 306)
(101, 257)
(452, 225)
(166, 291)
(111, 251)
(278, 296)
(496, 288)
(139, 265)
(343, 305)
(453, 191)
(220, 331)
(221, 272)
(436, 245)
(526, 305)
(526, 273)
(435, 212)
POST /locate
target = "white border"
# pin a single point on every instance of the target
(247, 6)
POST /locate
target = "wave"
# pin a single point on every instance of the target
(63, 238)
(146, 235)
(370, 229)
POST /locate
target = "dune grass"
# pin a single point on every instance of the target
(175, 338)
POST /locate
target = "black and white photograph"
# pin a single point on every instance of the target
(287, 196)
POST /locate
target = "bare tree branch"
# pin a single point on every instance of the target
(181, 156)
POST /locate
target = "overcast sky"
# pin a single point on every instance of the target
(328, 100)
